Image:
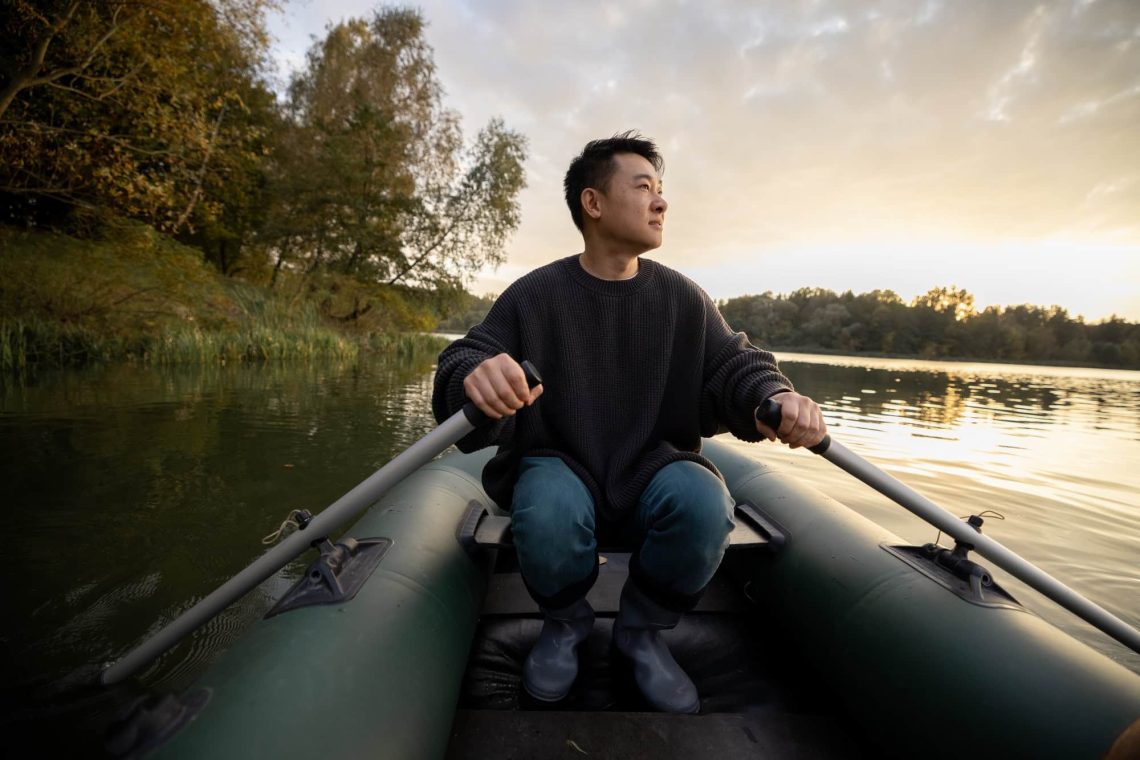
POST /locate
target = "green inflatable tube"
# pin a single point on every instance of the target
(377, 676)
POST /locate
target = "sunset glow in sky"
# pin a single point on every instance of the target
(849, 145)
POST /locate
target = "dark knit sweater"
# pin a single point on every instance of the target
(634, 373)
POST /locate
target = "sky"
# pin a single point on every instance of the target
(857, 145)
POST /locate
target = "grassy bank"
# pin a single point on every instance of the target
(136, 295)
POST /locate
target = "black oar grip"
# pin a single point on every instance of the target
(476, 416)
(531, 372)
(771, 415)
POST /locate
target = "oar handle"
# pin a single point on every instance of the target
(771, 414)
(1033, 576)
(478, 418)
(337, 514)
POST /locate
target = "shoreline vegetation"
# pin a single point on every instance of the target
(138, 296)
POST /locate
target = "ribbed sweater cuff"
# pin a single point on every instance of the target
(747, 431)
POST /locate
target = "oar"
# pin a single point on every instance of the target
(337, 514)
(770, 414)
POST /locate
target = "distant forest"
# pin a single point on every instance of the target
(942, 324)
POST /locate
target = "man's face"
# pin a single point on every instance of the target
(633, 210)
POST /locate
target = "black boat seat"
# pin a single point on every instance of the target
(753, 530)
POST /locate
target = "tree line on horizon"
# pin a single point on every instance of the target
(354, 189)
(940, 324)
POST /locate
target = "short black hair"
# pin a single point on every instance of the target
(595, 165)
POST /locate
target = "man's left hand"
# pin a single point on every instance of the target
(801, 421)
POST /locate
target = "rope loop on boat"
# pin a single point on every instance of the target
(984, 513)
(291, 523)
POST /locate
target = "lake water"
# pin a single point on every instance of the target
(132, 492)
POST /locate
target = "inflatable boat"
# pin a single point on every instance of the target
(822, 635)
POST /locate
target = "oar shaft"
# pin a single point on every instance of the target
(1030, 574)
(336, 515)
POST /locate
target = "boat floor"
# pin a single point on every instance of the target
(758, 696)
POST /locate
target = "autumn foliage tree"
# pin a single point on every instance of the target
(128, 108)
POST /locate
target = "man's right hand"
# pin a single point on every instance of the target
(498, 387)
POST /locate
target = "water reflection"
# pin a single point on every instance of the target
(941, 398)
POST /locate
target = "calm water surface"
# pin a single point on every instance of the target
(130, 492)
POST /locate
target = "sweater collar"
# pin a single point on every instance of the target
(646, 271)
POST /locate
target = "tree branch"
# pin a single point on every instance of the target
(197, 194)
(25, 77)
(28, 76)
(120, 82)
(118, 139)
(461, 216)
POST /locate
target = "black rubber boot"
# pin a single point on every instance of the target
(637, 635)
(552, 666)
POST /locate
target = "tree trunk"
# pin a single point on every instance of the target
(197, 194)
(277, 266)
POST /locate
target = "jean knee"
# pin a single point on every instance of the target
(687, 515)
(552, 519)
(550, 501)
(691, 499)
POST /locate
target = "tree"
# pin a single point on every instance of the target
(233, 188)
(767, 319)
(953, 301)
(376, 183)
(123, 107)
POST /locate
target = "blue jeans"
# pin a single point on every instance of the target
(678, 532)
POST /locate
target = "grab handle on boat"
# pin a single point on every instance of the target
(839, 455)
(337, 514)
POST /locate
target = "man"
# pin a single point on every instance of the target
(637, 366)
